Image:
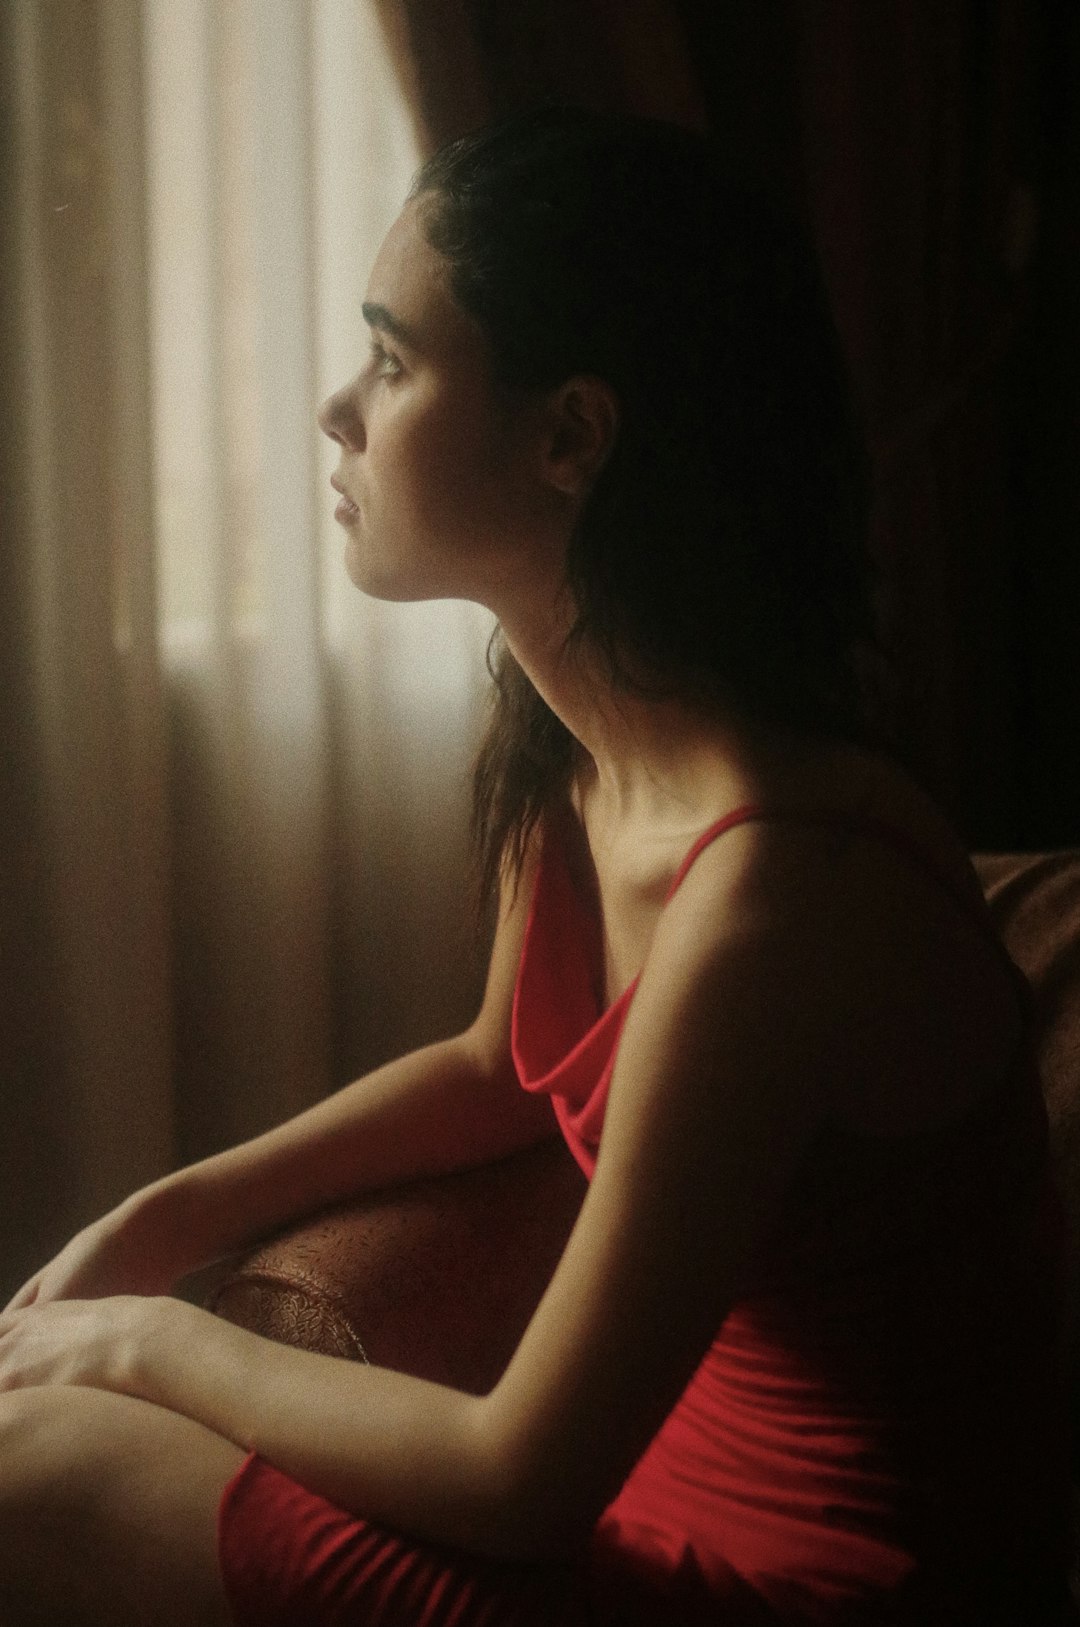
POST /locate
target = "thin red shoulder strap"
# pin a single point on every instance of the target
(890, 836)
(738, 816)
(863, 824)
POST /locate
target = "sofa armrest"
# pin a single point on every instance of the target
(438, 1278)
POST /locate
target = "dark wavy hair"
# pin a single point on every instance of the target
(722, 549)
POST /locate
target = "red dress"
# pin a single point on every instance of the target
(874, 1437)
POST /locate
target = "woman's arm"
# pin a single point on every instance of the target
(721, 1077)
(447, 1106)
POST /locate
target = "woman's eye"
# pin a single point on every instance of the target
(383, 363)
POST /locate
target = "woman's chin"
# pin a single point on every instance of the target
(378, 580)
(361, 569)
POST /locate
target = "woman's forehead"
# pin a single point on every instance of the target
(409, 295)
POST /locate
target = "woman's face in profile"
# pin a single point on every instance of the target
(436, 468)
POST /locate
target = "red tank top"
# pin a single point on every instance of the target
(875, 1432)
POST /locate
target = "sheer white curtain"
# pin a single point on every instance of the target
(237, 791)
(321, 740)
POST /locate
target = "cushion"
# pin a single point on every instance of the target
(437, 1278)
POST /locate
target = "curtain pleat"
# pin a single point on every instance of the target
(87, 1101)
(914, 126)
(319, 743)
(234, 318)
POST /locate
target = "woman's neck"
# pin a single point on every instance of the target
(646, 761)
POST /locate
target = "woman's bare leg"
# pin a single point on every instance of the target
(108, 1513)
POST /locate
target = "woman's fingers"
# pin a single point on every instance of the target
(70, 1342)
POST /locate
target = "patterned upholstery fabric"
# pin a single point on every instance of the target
(438, 1278)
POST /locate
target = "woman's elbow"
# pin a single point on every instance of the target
(538, 1513)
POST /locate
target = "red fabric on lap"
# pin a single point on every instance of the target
(291, 1559)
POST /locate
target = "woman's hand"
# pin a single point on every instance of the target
(106, 1344)
(137, 1248)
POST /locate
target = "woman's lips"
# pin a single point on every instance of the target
(346, 510)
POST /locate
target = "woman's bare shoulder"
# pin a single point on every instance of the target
(862, 896)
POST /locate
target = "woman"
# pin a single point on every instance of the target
(796, 1362)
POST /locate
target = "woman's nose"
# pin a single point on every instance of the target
(339, 417)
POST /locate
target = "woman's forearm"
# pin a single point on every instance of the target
(434, 1110)
(410, 1454)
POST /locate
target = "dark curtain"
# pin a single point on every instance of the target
(913, 138)
(933, 150)
(1044, 407)
(934, 144)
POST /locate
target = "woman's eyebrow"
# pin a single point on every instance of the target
(377, 316)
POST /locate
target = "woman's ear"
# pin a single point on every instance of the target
(582, 422)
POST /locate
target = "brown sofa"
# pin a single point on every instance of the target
(438, 1278)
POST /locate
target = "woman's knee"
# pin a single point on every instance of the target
(108, 1511)
(65, 1447)
(20, 1413)
(31, 1437)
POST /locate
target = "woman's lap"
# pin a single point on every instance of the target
(291, 1559)
(117, 1512)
